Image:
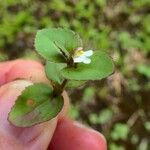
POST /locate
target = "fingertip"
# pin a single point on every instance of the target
(22, 69)
(27, 69)
(4, 69)
(100, 137)
(71, 135)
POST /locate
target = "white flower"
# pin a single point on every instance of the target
(82, 56)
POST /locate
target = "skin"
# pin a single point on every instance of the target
(60, 133)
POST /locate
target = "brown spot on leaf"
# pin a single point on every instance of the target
(31, 103)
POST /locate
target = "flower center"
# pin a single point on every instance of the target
(79, 53)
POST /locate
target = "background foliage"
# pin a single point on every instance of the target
(119, 106)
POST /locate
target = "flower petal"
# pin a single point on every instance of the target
(87, 61)
(78, 59)
(88, 53)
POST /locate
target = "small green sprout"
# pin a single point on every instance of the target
(67, 65)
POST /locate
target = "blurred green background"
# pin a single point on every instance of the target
(118, 106)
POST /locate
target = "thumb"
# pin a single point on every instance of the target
(37, 137)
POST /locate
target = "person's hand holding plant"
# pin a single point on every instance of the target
(41, 97)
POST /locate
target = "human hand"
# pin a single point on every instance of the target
(59, 133)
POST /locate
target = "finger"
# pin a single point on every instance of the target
(29, 70)
(14, 138)
(8, 93)
(71, 135)
(4, 69)
(22, 69)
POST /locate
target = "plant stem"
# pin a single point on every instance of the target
(64, 84)
(58, 89)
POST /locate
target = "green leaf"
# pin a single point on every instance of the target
(88, 94)
(51, 43)
(47, 48)
(35, 105)
(74, 84)
(144, 69)
(105, 115)
(114, 146)
(73, 112)
(147, 125)
(53, 71)
(100, 67)
(120, 131)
